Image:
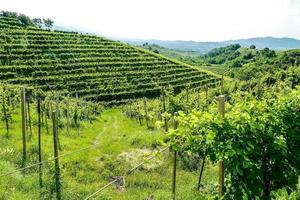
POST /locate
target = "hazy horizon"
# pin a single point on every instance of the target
(190, 20)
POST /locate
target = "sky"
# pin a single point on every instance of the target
(198, 20)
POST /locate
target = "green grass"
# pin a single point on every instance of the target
(122, 144)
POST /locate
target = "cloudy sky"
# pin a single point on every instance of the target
(199, 20)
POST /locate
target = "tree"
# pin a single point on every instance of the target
(38, 22)
(9, 14)
(266, 52)
(25, 20)
(156, 51)
(48, 22)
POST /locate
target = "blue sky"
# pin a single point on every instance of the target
(199, 20)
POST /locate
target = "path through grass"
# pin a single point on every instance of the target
(121, 144)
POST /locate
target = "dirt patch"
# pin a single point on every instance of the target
(137, 156)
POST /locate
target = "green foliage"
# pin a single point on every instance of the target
(37, 22)
(257, 139)
(222, 54)
(9, 14)
(24, 20)
(48, 22)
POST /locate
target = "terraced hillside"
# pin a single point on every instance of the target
(92, 67)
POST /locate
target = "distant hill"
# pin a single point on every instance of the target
(270, 42)
(204, 47)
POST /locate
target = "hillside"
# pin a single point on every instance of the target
(244, 63)
(190, 57)
(92, 67)
(205, 47)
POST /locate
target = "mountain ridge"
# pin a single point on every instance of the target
(283, 43)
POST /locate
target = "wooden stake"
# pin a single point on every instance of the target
(29, 118)
(6, 118)
(198, 98)
(46, 117)
(57, 117)
(164, 110)
(76, 114)
(258, 92)
(221, 163)
(23, 111)
(68, 114)
(222, 105)
(187, 99)
(56, 160)
(174, 166)
(206, 96)
(174, 175)
(146, 112)
(187, 94)
(222, 85)
(39, 142)
(200, 173)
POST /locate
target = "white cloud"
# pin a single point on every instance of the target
(200, 20)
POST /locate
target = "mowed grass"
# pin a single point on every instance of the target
(117, 144)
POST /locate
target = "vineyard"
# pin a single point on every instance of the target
(92, 67)
(91, 142)
(83, 117)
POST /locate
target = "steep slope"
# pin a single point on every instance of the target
(92, 67)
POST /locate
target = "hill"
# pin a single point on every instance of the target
(92, 67)
(204, 47)
(244, 63)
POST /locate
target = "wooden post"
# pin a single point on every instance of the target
(68, 114)
(222, 84)
(46, 116)
(29, 117)
(6, 118)
(187, 99)
(164, 110)
(198, 98)
(76, 114)
(57, 111)
(56, 160)
(200, 173)
(174, 175)
(221, 163)
(39, 142)
(206, 96)
(57, 106)
(258, 92)
(42, 115)
(187, 95)
(146, 112)
(235, 85)
(174, 165)
(23, 111)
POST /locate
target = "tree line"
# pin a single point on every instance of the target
(25, 21)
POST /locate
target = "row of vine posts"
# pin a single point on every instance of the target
(42, 112)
